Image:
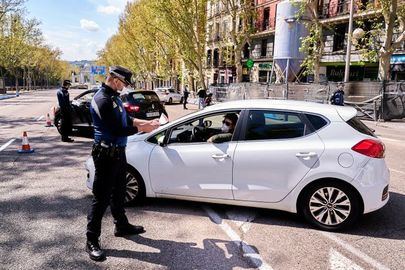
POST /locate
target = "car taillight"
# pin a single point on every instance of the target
(370, 148)
(131, 108)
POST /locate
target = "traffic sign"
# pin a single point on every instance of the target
(98, 70)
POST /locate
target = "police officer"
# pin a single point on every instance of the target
(65, 111)
(111, 127)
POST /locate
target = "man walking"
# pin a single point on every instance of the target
(202, 94)
(111, 127)
(186, 93)
(65, 111)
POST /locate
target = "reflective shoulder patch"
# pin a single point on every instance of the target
(95, 107)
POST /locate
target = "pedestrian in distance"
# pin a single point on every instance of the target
(338, 96)
(65, 111)
(202, 94)
(111, 127)
(186, 93)
(208, 100)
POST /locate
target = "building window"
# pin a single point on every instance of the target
(216, 58)
(263, 52)
(209, 57)
(339, 37)
(266, 19)
(246, 51)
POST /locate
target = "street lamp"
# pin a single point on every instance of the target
(349, 42)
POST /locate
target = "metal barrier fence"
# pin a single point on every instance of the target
(373, 100)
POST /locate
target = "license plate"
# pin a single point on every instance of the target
(152, 114)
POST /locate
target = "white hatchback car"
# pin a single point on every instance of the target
(314, 159)
(169, 95)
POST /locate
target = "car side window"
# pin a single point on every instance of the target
(199, 130)
(268, 125)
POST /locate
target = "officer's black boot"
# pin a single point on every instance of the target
(94, 250)
(127, 229)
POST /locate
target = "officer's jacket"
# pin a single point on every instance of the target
(63, 99)
(111, 123)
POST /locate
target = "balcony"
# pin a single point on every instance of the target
(340, 8)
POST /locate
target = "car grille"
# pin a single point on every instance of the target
(384, 194)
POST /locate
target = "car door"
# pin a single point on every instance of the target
(187, 165)
(277, 149)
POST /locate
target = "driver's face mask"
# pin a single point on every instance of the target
(224, 128)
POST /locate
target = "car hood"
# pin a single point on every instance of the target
(137, 137)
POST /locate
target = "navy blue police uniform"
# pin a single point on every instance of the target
(65, 112)
(112, 125)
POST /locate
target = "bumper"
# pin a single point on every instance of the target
(372, 183)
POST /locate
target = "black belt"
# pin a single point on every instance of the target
(108, 149)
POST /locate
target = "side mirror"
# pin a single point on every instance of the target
(161, 141)
(207, 123)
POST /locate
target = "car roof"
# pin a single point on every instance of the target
(332, 112)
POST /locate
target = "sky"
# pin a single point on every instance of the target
(79, 28)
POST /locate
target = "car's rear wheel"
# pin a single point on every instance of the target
(135, 191)
(331, 206)
(181, 100)
(170, 101)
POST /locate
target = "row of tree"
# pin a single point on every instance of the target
(155, 35)
(24, 57)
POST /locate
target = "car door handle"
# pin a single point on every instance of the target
(306, 155)
(217, 156)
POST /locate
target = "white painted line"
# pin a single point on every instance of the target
(354, 250)
(338, 262)
(248, 251)
(41, 117)
(393, 170)
(4, 146)
(242, 219)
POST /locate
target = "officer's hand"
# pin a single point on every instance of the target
(146, 126)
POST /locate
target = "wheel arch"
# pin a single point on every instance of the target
(327, 180)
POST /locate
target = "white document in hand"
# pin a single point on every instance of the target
(163, 119)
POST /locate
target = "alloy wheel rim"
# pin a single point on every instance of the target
(132, 187)
(330, 206)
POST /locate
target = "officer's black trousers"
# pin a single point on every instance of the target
(108, 189)
(66, 124)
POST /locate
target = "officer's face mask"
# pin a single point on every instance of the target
(119, 85)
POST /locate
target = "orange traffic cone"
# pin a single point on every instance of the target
(25, 146)
(48, 121)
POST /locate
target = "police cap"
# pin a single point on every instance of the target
(66, 83)
(121, 73)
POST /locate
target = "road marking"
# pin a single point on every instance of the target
(40, 118)
(337, 261)
(4, 146)
(242, 219)
(354, 250)
(248, 251)
(393, 170)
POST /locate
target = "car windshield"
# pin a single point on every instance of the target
(143, 97)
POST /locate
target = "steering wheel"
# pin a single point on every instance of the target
(196, 132)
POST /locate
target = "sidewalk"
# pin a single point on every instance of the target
(6, 96)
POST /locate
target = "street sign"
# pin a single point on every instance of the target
(98, 70)
(249, 63)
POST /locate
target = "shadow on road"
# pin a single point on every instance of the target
(187, 255)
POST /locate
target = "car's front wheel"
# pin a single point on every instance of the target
(135, 191)
(181, 100)
(57, 122)
(331, 206)
(170, 101)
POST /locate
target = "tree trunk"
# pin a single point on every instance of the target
(238, 66)
(384, 67)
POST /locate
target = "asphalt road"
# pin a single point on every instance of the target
(44, 202)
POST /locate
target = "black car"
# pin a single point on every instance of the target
(140, 104)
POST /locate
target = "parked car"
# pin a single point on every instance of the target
(169, 95)
(139, 104)
(314, 159)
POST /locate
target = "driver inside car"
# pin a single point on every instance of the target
(227, 129)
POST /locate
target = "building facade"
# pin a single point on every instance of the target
(334, 16)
